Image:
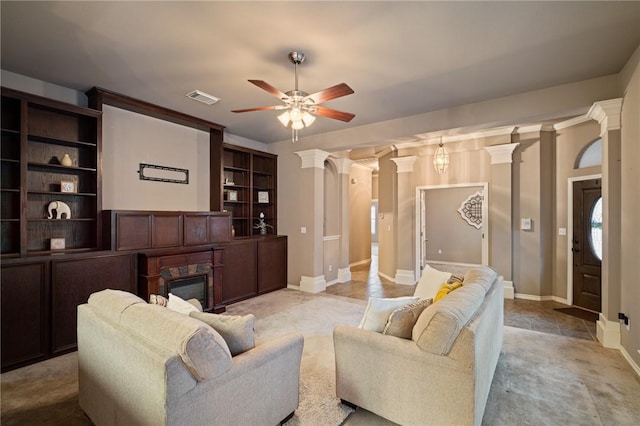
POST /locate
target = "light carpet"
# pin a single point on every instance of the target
(540, 378)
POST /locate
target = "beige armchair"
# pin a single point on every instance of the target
(143, 364)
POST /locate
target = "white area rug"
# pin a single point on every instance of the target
(314, 316)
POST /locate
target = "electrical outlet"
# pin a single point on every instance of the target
(330, 268)
(439, 251)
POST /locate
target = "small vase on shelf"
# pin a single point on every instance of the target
(66, 160)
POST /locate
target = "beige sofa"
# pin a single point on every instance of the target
(143, 364)
(442, 375)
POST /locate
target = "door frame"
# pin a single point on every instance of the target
(485, 223)
(569, 235)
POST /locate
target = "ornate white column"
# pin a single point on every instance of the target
(500, 227)
(404, 227)
(311, 208)
(607, 113)
(344, 168)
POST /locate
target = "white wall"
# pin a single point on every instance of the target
(128, 139)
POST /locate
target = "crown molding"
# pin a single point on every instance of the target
(404, 164)
(607, 113)
(312, 158)
(501, 154)
(343, 165)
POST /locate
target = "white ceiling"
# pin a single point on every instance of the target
(401, 58)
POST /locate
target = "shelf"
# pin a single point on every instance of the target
(61, 169)
(9, 160)
(10, 190)
(9, 220)
(235, 169)
(72, 250)
(73, 219)
(81, 194)
(11, 131)
(62, 142)
(234, 186)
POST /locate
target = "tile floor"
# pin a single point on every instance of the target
(532, 315)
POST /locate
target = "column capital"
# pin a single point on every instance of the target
(343, 165)
(501, 154)
(607, 113)
(404, 164)
(312, 158)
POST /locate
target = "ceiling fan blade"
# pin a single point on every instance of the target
(334, 92)
(264, 108)
(333, 113)
(269, 88)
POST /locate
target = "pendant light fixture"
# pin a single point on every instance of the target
(441, 159)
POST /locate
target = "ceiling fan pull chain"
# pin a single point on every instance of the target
(294, 135)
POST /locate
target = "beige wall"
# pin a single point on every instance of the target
(129, 138)
(387, 215)
(331, 217)
(451, 238)
(359, 214)
(630, 211)
(569, 143)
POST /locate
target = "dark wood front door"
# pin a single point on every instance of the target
(587, 244)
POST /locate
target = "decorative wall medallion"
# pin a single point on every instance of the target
(471, 210)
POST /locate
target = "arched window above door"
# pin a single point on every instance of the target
(591, 155)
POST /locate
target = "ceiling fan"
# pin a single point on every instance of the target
(300, 106)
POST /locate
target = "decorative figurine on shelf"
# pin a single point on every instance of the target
(66, 160)
(262, 225)
(60, 208)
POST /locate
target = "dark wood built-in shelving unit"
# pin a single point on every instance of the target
(250, 174)
(124, 250)
(36, 133)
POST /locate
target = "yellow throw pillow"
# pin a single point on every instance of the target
(446, 289)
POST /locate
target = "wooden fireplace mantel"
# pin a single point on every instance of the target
(146, 230)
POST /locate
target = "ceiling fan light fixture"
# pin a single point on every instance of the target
(285, 118)
(297, 125)
(308, 119)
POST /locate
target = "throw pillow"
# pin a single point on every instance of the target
(402, 320)
(446, 289)
(156, 299)
(237, 331)
(430, 282)
(178, 304)
(455, 278)
(378, 310)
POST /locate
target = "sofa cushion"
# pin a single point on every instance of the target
(402, 320)
(439, 324)
(236, 330)
(378, 310)
(482, 275)
(447, 288)
(430, 282)
(202, 350)
(178, 304)
(113, 302)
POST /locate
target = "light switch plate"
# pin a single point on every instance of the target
(525, 224)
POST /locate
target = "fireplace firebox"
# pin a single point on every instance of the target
(192, 275)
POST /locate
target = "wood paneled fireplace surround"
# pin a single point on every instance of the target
(166, 262)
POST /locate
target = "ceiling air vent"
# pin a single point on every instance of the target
(205, 98)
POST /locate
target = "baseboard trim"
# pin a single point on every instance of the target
(537, 298)
(332, 282)
(293, 287)
(608, 332)
(404, 277)
(509, 291)
(313, 284)
(344, 275)
(630, 360)
(383, 275)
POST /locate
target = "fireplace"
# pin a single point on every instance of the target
(190, 288)
(188, 276)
